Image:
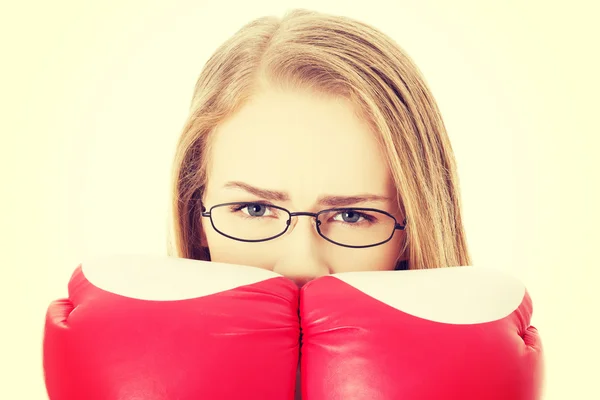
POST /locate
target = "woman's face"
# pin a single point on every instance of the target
(306, 153)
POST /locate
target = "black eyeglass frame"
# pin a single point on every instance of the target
(397, 226)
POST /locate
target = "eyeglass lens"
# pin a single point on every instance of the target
(256, 221)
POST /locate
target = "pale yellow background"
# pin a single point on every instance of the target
(94, 94)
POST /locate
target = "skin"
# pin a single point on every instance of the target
(306, 146)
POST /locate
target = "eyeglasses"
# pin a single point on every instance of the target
(260, 222)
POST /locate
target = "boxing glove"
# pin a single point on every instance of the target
(159, 328)
(449, 333)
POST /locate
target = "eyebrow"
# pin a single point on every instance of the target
(325, 200)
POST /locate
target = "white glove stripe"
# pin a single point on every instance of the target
(456, 295)
(162, 278)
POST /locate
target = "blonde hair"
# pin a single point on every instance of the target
(343, 57)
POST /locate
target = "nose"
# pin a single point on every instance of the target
(301, 280)
(300, 258)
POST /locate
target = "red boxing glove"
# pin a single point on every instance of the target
(157, 328)
(449, 333)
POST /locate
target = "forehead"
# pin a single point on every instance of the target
(298, 142)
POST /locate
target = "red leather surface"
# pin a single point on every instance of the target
(241, 343)
(356, 347)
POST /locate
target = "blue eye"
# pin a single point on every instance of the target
(256, 210)
(350, 216)
(253, 209)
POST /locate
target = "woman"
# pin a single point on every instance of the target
(314, 146)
